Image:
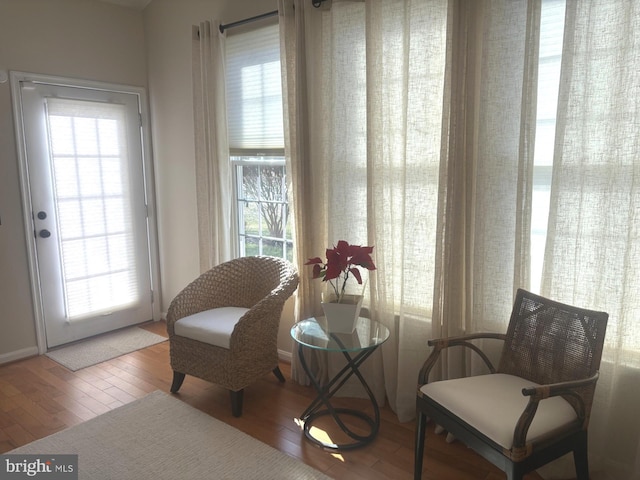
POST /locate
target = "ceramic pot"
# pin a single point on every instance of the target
(342, 317)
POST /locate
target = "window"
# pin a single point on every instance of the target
(256, 142)
(551, 34)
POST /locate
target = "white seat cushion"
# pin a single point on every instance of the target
(493, 404)
(213, 326)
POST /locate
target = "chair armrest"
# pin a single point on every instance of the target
(260, 323)
(201, 294)
(560, 388)
(543, 392)
(440, 344)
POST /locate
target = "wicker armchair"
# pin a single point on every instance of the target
(223, 326)
(535, 406)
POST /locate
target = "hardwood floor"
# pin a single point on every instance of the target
(39, 397)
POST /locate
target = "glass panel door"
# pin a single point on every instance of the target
(86, 177)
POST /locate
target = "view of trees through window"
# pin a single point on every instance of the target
(263, 214)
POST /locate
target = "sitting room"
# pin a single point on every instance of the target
(441, 168)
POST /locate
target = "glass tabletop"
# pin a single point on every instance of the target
(313, 333)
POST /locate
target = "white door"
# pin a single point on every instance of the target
(86, 182)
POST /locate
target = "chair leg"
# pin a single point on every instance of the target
(278, 374)
(178, 378)
(421, 425)
(236, 402)
(581, 458)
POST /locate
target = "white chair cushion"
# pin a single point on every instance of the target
(493, 404)
(213, 326)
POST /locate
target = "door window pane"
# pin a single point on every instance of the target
(89, 164)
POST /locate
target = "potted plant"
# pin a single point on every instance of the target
(343, 261)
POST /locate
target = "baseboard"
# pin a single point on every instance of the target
(284, 356)
(18, 355)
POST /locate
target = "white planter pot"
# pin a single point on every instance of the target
(342, 317)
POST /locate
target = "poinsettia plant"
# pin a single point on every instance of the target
(342, 262)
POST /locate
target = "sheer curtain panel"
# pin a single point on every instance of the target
(213, 172)
(593, 253)
(411, 126)
(369, 165)
(485, 170)
(305, 171)
(408, 132)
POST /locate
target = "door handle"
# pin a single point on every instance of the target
(44, 233)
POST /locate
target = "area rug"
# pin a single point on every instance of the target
(104, 347)
(160, 437)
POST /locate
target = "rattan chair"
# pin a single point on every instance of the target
(223, 326)
(535, 406)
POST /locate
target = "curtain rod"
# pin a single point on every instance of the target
(247, 20)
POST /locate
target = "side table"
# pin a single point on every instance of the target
(356, 348)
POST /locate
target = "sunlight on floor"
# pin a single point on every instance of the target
(320, 435)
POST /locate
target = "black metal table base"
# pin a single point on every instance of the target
(315, 410)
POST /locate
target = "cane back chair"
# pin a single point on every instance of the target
(535, 406)
(223, 326)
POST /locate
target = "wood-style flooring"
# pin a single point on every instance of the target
(39, 397)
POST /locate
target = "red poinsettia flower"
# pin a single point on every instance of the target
(342, 260)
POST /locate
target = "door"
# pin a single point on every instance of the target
(86, 182)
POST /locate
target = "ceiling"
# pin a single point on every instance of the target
(136, 4)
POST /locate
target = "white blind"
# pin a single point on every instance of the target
(90, 167)
(254, 90)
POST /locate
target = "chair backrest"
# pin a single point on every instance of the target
(549, 342)
(247, 280)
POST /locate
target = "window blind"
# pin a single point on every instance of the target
(254, 91)
(90, 163)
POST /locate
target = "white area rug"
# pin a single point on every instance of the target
(160, 437)
(104, 347)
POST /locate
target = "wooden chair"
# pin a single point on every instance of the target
(535, 406)
(223, 326)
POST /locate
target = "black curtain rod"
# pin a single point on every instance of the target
(315, 3)
(248, 20)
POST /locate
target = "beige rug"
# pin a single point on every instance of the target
(160, 437)
(104, 347)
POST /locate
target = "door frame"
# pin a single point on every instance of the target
(16, 78)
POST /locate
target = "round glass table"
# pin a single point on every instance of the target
(356, 348)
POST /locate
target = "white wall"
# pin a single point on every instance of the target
(72, 38)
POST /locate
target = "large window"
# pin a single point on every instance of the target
(256, 142)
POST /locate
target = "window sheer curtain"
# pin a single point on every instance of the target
(485, 171)
(364, 187)
(213, 172)
(396, 138)
(593, 253)
(410, 126)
